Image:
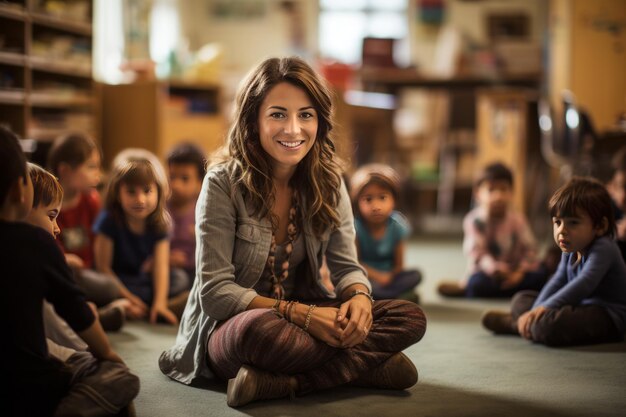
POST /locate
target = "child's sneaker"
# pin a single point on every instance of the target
(410, 295)
(451, 289)
(499, 322)
(112, 316)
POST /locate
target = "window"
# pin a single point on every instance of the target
(128, 30)
(343, 25)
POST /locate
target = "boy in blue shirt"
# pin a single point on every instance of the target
(585, 300)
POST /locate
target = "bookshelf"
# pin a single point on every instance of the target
(46, 84)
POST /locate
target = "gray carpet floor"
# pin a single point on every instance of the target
(463, 369)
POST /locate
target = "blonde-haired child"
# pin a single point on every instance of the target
(381, 232)
(585, 300)
(132, 243)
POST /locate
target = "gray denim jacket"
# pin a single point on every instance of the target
(231, 252)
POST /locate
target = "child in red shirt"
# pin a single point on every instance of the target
(75, 160)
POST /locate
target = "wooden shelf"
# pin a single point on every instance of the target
(393, 79)
(13, 12)
(73, 26)
(182, 84)
(57, 67)
(11, 58)
(48, 134)
(12, 97)
(59, 100)
(46, 95)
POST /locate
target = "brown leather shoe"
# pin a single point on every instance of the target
(397, 372)
(251, 385)
(451, 289)
(499, 322)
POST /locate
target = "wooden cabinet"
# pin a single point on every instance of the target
(155, 115)
(502, 135)
(587, 46)
(46, 86)
(508, 131)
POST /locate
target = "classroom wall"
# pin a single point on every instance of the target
(245, 41)
(470, 19)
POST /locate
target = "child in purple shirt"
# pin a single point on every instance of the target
(585, 301)
(187, 167)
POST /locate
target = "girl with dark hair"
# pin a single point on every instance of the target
(382, 232)
(132, 243)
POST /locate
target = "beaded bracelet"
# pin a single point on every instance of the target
(307, 321)
(276, 307)
(292, 304)
(286, 310)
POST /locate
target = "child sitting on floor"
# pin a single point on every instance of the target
(498, 243)
(132, 244)
(617, 190)
(585, 301)
(186, 167)
(75, 160)
(44, 382)
(111, 383)
(47, 198)
(381, 232)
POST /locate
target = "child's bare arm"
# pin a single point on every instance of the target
(74, 261)
(512, 279)
(103, 255)
(161, 280)
(398, 257)
(103, 259)
(98, 342)
(380, 277)
(178, 258)
(621, 229)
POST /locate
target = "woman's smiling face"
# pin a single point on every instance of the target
(287, 125)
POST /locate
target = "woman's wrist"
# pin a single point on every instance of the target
(364, 294)
(298, 315)
(348, 293)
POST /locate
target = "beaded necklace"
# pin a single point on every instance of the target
(278, 291)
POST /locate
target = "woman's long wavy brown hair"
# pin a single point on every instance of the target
(317, 177)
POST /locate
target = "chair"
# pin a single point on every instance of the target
(567, 140)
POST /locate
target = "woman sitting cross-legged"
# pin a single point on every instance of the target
(270, 209)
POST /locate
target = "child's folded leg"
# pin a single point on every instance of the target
(481, 285)
(579, 325)
(99, 388)
(98, 287)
